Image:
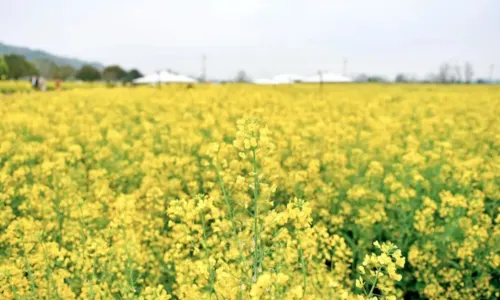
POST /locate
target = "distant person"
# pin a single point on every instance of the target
(41, 84)
(34, 82)
(58, 83)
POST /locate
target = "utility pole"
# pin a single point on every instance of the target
(344, 67)
(204, 68)
(320, 75)
(492, 69)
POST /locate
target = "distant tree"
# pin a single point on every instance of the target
(47, 68)
(401, 78)
(456, 76)
(66, 71)
(429, 78)
(132, 74)
(54, 71)
(113, 73)
(444, 73)
(18, 66)
(4, 68)
(468, 72)
(376, 78)
(88, 73)
(361, 78)
(242, 76)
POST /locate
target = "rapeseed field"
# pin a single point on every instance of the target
(24, 86)
(251, 192)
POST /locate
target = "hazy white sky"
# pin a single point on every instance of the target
(263, 37)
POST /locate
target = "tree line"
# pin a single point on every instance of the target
(447, 73)
(14, 67)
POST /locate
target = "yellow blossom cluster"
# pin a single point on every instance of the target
(251, 192)
(376, 267)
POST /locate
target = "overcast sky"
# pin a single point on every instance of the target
(263, 37)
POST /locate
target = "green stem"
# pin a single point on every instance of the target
(226, 198)
(211, 271)
(12, 287)
(303, 266)
(28, 268)
(230, 209)
(256, 217)
(129, 270)
(374, 284)
(50, 279)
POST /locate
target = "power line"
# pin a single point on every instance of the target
(492, 69)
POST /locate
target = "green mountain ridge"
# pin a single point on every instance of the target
(36, 54)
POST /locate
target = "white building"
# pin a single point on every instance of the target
(288, 78)
(264, 81)
(164, 77)
(281, 79)
(326, 77)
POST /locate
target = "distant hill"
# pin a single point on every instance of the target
(35, 54)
